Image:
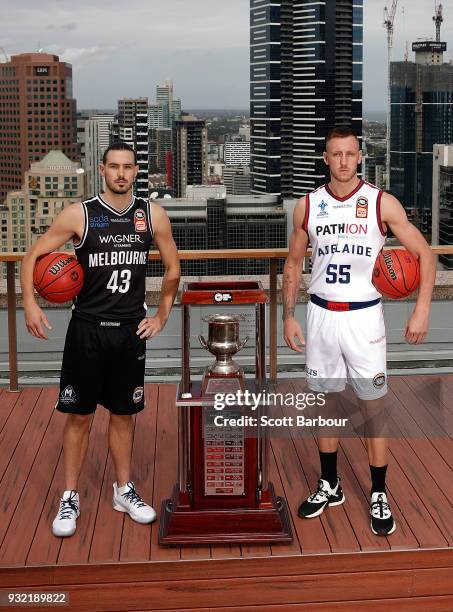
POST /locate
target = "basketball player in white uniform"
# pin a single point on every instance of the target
(346, 223)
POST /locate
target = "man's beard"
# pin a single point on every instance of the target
(117, 189)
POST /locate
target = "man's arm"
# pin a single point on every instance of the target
(394, 215)
(69, 223)
(163, 239)
(292, 274)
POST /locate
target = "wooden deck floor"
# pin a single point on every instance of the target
(334, 558)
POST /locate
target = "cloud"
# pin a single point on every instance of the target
(81, 56)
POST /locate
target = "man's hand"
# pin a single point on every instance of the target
(417, 327)
(36, 320)
(291, 331)
(150, 326)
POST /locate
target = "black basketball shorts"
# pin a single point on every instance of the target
(102, 364)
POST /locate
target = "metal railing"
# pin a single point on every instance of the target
(271, 255)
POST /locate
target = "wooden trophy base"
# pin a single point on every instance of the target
(269, 522)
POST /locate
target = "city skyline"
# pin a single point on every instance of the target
(164, 47)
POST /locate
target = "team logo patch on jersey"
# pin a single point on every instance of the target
(323, 210)
(140, 220)
(379, 381)
(68, 395)
(361, 209)
(137, 395)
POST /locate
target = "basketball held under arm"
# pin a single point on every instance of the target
(68, 224)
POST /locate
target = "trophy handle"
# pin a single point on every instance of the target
(243, 343)
(203, 342)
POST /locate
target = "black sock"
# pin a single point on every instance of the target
(329, 467)
(378, 479)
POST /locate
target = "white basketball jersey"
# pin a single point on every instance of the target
(346, 235)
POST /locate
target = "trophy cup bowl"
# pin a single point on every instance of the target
(223, 342)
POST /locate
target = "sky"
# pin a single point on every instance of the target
(122, 49)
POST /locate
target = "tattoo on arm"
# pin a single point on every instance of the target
(289, 295)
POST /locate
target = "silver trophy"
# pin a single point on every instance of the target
(223, 342)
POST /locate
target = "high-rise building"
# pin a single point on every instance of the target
(93, 135)
(190, 154)
(157, 116)
(237, 153)
(104, 125)
(164, 144)
(49, 186)
(37, 114)
(132, 127)
(171, 107)
(237, 180)
(421, 116)
(306, 78)
(442, 205)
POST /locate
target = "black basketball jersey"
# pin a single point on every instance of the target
(113, 253)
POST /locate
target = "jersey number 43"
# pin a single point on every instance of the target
(119, 281)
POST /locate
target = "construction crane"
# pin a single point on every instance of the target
(438, 19)
(389, 19)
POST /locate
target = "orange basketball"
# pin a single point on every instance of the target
(396, 273)
(58, 277)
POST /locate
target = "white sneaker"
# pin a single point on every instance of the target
(126, 499)
(64, 523)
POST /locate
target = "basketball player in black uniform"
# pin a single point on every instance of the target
(345, 324)
(104, 355)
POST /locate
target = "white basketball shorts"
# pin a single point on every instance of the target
(347, 347)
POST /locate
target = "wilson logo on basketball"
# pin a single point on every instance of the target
(388, 260)
(60, 265)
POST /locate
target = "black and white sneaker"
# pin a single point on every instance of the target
(382, 521)
(323, 496)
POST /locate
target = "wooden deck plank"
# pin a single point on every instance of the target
(8, 400)
(108, 526)
(22, 405)
(421, 428)
(276, 590)
(76, 549)
(294, 547)
(14, 550)
(136, 543)
(429, 394)
(166, 462)
(429, 494)
(442, 603)
(16, 474)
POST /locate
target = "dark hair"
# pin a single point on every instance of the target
(119, 145)
(340, 132)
